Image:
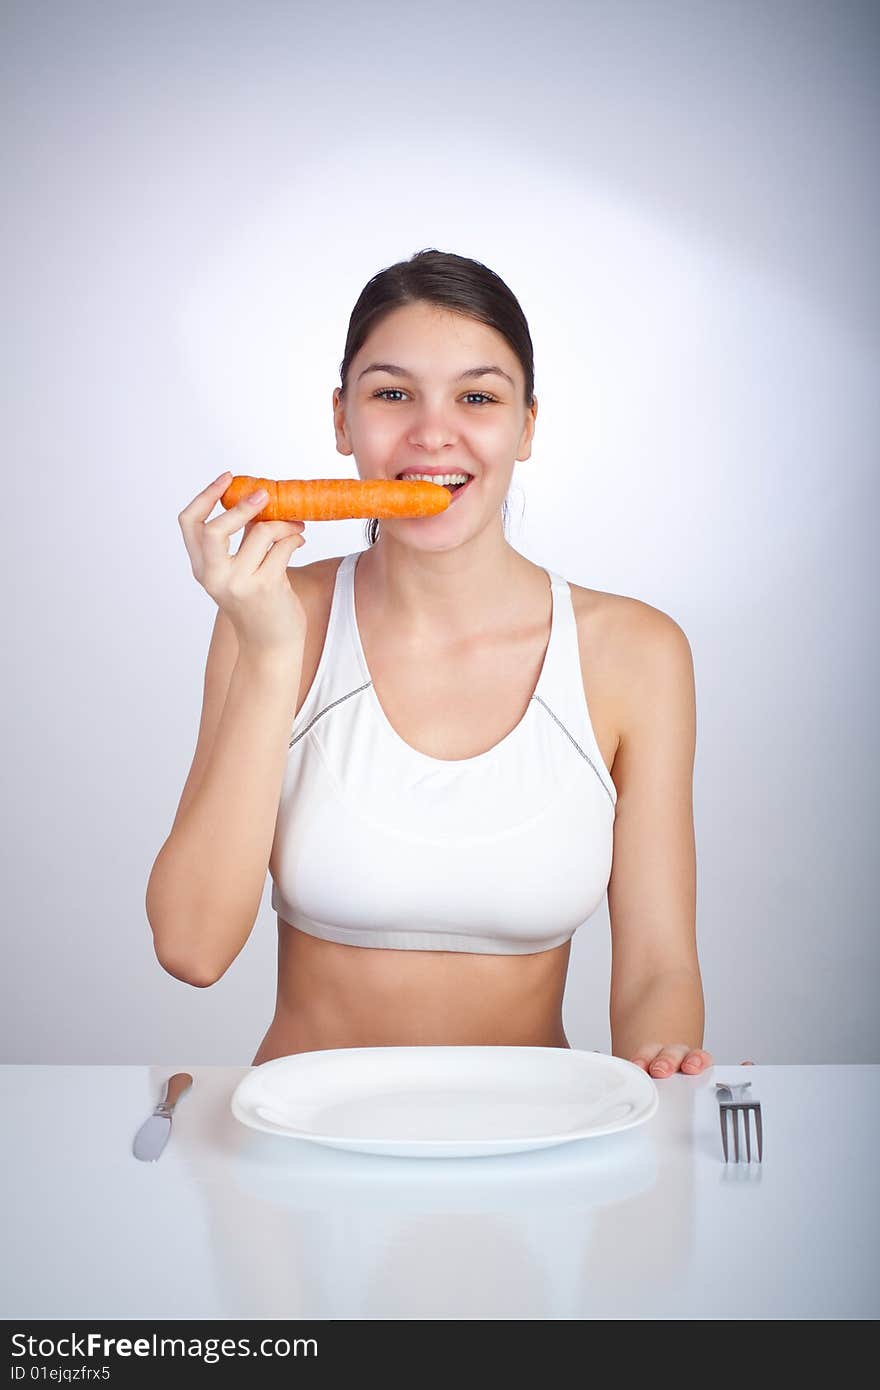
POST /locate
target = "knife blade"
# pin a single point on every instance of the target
(153, 1134)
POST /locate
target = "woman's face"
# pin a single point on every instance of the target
(426, 415)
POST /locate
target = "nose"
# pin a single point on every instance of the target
(431, 430)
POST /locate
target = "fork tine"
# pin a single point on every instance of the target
(733, 1110)
(723, 1114)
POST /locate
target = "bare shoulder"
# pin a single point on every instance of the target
(313, 586)
(627, 647)
(307, 574)
(624, 620)
(313, 583)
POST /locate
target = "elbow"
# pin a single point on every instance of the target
(188, 974)
(175, 960)
(181, 965)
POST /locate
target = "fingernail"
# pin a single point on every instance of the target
(258, 496)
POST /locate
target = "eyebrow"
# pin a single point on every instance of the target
(471, 372)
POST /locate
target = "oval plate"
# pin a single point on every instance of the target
(444, 1101)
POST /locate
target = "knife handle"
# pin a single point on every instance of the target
(176, 1087)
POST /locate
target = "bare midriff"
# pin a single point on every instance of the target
(330, 995)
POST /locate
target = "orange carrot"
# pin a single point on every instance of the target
(332, 499)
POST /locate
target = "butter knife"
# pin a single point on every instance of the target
(153, 1134)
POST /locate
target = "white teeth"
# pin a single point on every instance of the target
(443, 478)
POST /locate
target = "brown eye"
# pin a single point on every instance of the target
(385, 391)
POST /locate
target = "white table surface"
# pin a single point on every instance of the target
(232, 1223)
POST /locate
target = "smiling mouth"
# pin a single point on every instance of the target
(450, 487)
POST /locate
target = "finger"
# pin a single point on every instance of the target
(204, 502)
(276, 559)
(697, 1060)
(646, 1054)
(261, 536)
(253, 521)
(669, 1059)
(228, 522)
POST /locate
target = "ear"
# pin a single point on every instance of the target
(525, 449)
(342, 444)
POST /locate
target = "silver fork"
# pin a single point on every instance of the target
(732, 1101)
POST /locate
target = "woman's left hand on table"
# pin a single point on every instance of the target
(664, 1059)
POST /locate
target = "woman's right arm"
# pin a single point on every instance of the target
(205, 887)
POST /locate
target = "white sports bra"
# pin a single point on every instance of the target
(377, 844)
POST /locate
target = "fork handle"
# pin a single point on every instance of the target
(734, 1090)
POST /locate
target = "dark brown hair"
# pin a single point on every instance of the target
(452, 282)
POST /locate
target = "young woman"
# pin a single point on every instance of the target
(402, 738)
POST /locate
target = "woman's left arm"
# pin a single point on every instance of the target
(656, 1008)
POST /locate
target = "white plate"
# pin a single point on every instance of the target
(449, 1101)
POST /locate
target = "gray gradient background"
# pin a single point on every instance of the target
(684, 198)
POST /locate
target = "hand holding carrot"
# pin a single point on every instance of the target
(251, 587)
